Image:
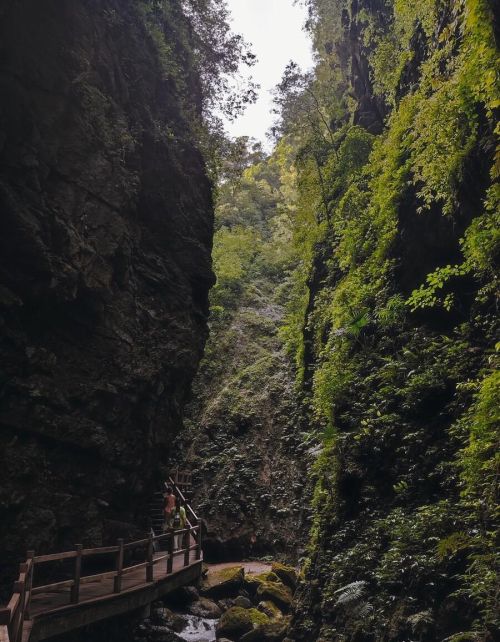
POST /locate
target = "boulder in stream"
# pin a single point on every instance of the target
(205, 608)
(287, 574)
(224, 582)
(237, 621)
(276, 592)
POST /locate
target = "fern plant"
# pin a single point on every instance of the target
(351, 598)
(420, 622)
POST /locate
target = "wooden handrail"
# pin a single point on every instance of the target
(181, 495)
(54, 557)
(17, 612)
(104, 550)
(136, 544)
(52, 587)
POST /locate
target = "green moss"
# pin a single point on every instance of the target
(267, 576)
(237, 621)
(270, 609)
(223, 582)
(253, 581)
(287, 574)
(405, 401)
(276, 592)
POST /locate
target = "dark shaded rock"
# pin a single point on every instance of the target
(182, 596)
(276, 631)
(287, 574)
(243, 602)
(205, 608)
(270, 609)
(225, 604)
(161, 634)
(165, 617)
(105, 235)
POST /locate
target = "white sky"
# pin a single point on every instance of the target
(274, 29)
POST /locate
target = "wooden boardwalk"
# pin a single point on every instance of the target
(135, 576)
(51, 600)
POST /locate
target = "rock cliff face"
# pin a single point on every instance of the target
(244, 442)
(406, 500)
(105, 236)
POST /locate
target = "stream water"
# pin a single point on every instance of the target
(198, 629)
(173, 623)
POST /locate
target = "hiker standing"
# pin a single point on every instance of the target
(169, 498)
(179, 520)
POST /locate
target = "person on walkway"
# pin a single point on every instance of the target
(169, 498)
(180, 520)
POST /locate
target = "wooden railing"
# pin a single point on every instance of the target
(17, 611)
(12, 617)
(190, 512)
(181, 477)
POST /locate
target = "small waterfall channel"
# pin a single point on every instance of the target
(245, 589)
(166, 625)
(198, 629)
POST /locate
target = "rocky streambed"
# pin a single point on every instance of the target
(234, 603)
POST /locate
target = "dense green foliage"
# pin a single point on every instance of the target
(376, 224)
(205, 42)
(254, 218)
(243, 438)
(394, 332)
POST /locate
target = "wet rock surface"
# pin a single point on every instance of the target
(234, 617)
(105, 241)
(205, 608)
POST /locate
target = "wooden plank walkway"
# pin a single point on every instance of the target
(49, 601)
(78, 599)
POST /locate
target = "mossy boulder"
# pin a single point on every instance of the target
(268, 576)
(276, 630)
(276, 592)
(270, 609)
(243, 601)
(237, 621)
(273, 631)
(287, 574)
(252, 582)
(225, 582)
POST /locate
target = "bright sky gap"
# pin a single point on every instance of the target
(275, 30)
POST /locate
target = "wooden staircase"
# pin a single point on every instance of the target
(140, 572)
(181, 482)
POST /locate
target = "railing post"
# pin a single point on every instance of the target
(149, 567)
(75, 589)
(170, 549)
(19, 587)
(198, 540)
(186, 537)
(4, 623)
(29, 581)
(119, 567)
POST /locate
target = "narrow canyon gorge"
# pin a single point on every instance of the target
(305, 327)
